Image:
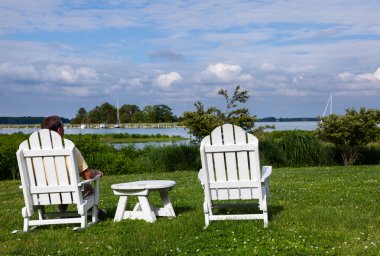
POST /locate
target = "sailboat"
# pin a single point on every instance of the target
(117, 125)
(329, 102)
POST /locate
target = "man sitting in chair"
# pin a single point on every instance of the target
(54, 123)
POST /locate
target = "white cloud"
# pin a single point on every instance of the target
(166, 80)
(345, 76)
(68, 74)
(363, 77)
(225, 73)
(375, 76)
(18, 72)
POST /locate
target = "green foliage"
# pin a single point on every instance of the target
(350, 131)
(107, 114)
(25, 120)
(312, 211)
(302, 149)
(81, 117)
(201, 122)
(295, 148)
(280, 149)
(8, 147)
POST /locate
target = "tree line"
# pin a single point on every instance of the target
(107, 114)
(26, 120)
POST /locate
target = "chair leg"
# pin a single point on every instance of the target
(84, 220)
(26, 224)
(207, 214)
(265, 213)
(95, 213)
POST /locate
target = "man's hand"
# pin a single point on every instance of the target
(90, 173)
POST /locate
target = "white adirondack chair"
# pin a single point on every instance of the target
(49, 176)
(231, 171)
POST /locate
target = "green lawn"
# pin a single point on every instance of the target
(313, 211)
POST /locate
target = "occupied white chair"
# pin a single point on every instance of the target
(49, 176)
(231, 171)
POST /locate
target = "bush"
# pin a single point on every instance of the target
(285, 149)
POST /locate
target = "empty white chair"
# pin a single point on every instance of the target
(231, 171)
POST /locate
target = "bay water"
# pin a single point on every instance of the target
(179, 131)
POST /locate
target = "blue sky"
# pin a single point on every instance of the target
(58, 56)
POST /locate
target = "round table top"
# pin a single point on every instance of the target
(145, 184)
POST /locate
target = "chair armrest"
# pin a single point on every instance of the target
(266, 172)
(89, 180)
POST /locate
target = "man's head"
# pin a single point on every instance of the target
(53, 123)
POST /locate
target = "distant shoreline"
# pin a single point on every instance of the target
(96, 126)
(144, 125)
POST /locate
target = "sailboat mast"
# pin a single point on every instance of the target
(117, 109)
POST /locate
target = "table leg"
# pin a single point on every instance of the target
(121, 208)
(147, 211)
(168, 209)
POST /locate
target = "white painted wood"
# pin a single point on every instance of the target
(219, 163)
(144, 209)
(39, 170)
(49, 176)
(62, 170)
(231, 170)
(49, 166)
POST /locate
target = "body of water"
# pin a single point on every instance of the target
(279, 126)
(183, 132)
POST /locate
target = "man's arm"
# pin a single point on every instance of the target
(90, 173)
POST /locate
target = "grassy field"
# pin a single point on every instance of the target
(313, 211)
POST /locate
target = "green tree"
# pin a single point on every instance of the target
(106, 113)
(127, 111)
(163, 114)
(201, 122)
(81, 117)
(149, 114)
(350, 131)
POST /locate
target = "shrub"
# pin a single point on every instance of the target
(301, 149)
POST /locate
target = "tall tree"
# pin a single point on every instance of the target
(201, 122)
(163, 113)
(81, 117)
(127, 111)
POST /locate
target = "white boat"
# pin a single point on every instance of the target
(102, 126)
(83, 126)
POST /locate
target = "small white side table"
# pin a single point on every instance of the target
(144, 209)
